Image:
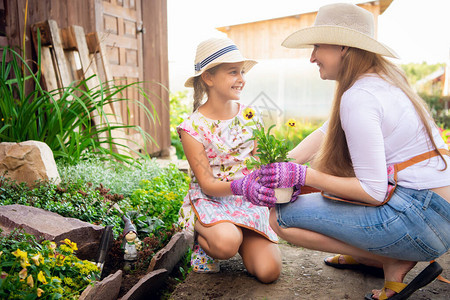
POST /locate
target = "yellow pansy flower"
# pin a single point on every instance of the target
(60, 260)
(37, 259)
(23, 257)
(291, 123)
(41, 277)
(30, 281)
(40, 292)
(71, 244)
(23, 274)
(248, 113)
(20, 254)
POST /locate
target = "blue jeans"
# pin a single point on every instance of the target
(414, 225)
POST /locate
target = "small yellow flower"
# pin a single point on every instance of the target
(71, 244)
(37, 259)
(51, 246)
(30, 281)
(40, 292)
(65, 248)
(23, 274)
(60, 260)
(23, 257)
(20, 254)
(248, 113)
(291, 123)
(41, 277)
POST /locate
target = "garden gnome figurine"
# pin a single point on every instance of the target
(131, 242)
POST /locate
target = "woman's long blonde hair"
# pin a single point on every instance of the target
(334, 157)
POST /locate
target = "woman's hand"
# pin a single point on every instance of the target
(283, 175)
(253, 191)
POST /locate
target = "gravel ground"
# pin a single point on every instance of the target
(304, 276)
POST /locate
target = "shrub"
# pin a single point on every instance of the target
(154, 206)
(62, 118)
(69, 199)
(118, 177)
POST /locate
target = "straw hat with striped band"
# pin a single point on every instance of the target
(341, 24)
(216, 51)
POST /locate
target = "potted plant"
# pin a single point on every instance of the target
(271, 150)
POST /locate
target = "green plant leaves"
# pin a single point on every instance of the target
(270, 149)
(63, 118)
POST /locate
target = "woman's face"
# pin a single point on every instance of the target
(328, 58)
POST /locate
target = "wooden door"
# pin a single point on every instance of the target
(120, 23)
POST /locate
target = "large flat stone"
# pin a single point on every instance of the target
(147, 287)
(107, 289)
(170, 255)
(53, 227)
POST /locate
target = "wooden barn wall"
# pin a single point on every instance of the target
(262, 40)
(156, 71)
(144, 59)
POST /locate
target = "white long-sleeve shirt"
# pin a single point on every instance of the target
(382, 128)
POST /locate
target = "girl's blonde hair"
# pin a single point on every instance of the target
(334, 157)
(200, 88)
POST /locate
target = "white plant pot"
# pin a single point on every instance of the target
(284, 195)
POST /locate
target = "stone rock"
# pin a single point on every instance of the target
(170, 255)
(28, 161)
(107, 289)
(147, 286)
(53, 227)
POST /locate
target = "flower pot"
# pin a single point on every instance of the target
(283, 195)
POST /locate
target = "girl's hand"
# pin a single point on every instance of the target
(283, 175)
(253, 191)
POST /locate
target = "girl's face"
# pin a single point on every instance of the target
(328, 58)
(227, 82)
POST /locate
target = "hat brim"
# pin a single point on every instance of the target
(248, 64)
(336, 35)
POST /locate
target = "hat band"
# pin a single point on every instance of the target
(200, 65)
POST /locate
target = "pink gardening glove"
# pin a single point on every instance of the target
(283, 175)
(253, 191)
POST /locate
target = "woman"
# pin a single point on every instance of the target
(377, 125)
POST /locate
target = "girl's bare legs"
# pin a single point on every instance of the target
(220, 241)
(261, 257)
(394, 269)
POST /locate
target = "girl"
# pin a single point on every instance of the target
(380, 134)
(215, 142)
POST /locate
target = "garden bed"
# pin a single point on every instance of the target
(101, 193)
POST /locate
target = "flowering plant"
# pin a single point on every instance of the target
(270, 149)
(30, 270)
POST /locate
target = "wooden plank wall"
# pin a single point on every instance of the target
(156, 72)
(262, 40)
(89, 14)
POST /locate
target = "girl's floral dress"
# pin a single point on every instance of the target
(227, 146)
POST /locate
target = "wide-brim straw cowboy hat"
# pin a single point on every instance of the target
(215, 51)
(341, 24)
